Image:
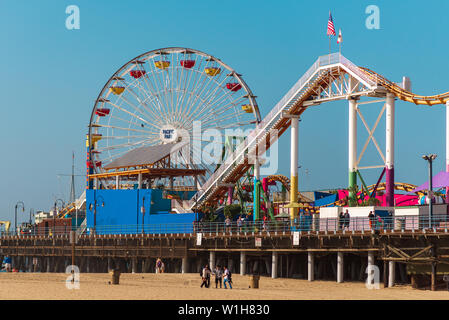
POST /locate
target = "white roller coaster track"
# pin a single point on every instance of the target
(306, 88)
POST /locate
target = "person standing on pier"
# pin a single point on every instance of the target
(371, 219)
(347, 219)
(240, 223)
(341, 218)
(228, 224)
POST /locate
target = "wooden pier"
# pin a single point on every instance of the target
(341, 256)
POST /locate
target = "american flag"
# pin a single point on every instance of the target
(330, 26)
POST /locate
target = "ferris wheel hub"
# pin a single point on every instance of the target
(169, 134)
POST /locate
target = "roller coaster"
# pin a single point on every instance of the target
(331, 77)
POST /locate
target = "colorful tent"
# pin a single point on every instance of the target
(441, 180)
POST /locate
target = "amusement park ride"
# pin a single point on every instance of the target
(143, 121)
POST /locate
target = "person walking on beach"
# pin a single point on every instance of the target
(158, 265)
(218, 276)
(227, 277)
(208, 275)
(7, 262)
(205, 274)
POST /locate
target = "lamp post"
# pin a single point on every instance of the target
(430, 159)
(55, 213)
(31, 213)
(94, 207)
(31, 221)
(15, 216)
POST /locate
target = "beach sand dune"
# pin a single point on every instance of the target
(187, 286)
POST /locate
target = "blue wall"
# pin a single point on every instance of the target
(121, 212)
(325, 200)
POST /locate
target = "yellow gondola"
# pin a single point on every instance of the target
(212, 71)
(162, 64)
(96, 137)
(117, 90)
(247, 108)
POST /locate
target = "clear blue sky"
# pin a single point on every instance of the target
(51, 77)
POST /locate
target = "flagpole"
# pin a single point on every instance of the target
(329, 63)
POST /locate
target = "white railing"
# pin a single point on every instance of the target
(80, 201)
(82, 227)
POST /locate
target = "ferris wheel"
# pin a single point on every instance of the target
(157, 95)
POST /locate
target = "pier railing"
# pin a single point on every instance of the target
(438, 223)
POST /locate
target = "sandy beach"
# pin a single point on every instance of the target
(152, 286)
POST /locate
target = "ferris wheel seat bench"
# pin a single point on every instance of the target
(162, 64)
(187, 63)
(233, 86)
(137, 73)
(102, 112)
(212, 71)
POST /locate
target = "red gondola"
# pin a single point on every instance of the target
(137, 73)
(89, 164)
(102, 112)
(233, 86)
(187, 63)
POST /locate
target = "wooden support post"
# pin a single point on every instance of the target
(385, 274)
(310, 266)
(110, 264)
(391, 273)
(212, 261)
(184, 264)
(433, 276)
(274, 265)
(340, 265)
(242, 263)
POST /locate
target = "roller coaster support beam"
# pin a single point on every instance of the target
(294, 166)
(389, 154)
(90, 170)
(447, 147)
(256, 191)
(293, 205)
(352, 143)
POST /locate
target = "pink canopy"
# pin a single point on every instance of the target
(441, 180)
